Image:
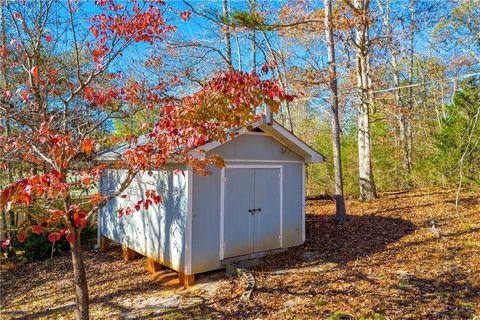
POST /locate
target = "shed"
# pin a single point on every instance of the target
(254, 204)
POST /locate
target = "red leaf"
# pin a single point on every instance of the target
(86, 146)
(35, 72)
(88, 94)
(94, 31)
(86, 181)
(185, 15)
(5, 243)
(54, 237)
(37, 229)
(146, 204)
(48, 38)
(25, 96)
(53, 72)
(71, 237)
(101, 3)
(25, 198)
(138, 206)
(21, 236)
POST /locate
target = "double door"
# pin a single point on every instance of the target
(252, 217)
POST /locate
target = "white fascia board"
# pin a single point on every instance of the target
(290, 140)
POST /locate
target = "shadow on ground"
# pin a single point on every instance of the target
(329, 241)
(361, 236)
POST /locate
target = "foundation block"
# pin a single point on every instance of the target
(153, 266)
(128, 254)
(104, 244)
(186, 279)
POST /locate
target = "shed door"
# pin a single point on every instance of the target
(251, 211)
(267, 206)
(238, 222)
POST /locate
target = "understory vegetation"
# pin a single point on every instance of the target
(442, 150)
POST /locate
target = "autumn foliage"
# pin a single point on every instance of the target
(51, 138)
(62, 88)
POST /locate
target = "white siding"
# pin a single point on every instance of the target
(158, 232)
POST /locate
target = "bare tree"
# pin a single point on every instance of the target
(253, 4)
(362, 49)
(228, 41)
(407, 127)
(340, 214)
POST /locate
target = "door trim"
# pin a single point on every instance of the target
(189, 231)
(222, 198)
(303, 202)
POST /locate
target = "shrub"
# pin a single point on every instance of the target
(38, 247)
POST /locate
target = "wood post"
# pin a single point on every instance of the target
(104, 244)
(186, 279)
(128, 254)
(153, 266)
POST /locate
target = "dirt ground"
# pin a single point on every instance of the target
(386, 262)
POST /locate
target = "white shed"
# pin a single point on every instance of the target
(254, 204)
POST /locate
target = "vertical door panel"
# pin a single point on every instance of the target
(267, 205)
(238, 222)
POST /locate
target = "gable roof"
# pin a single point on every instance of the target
(273, 129)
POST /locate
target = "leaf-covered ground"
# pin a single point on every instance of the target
(387, 262)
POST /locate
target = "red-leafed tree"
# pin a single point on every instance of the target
(62, 86)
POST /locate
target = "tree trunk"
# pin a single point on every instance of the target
(362, 46)
(404, 143)
(253, 4)
(400, 112)
(340, 214)
(80, 278)
(408, 126)
(239, 50)
(367, 185)
(228, 41)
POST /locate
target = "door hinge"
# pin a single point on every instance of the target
(224, 179)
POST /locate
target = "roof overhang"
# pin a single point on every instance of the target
(279, 133)
(272, 128)
(292, 142)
